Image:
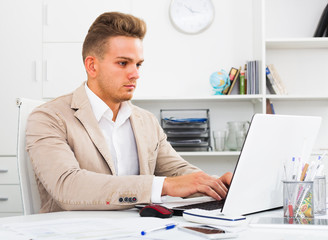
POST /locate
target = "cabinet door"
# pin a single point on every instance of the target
(20, 71)
(8, 170)
(63, 68)
(69, 20)
(10, 198)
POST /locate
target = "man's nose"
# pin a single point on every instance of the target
(134, 73)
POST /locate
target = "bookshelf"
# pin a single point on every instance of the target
(300, 60)
(292, 50)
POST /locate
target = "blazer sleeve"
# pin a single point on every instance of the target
(70, 186)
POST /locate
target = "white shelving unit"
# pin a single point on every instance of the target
(297, 43)
(297, 56)
(213, 153)
(299, 59)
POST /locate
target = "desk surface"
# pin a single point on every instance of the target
(246, 233)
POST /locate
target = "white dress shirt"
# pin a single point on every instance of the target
(120, 139)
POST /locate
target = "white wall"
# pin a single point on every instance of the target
(181, 64)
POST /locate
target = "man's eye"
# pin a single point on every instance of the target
(139, 65)
(122, 63)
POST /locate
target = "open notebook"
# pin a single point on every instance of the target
(257, 179)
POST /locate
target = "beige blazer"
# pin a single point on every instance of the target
(73, 164)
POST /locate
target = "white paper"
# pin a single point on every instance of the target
(85, 228)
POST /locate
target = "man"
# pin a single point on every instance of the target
(93, 150)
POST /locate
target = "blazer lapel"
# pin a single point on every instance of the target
(85, 114)
(137, 124)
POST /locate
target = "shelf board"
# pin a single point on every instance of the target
(297, 97)
(297, 43)
(204, 98)
(204, 154)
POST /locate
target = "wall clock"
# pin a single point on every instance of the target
(191, 16)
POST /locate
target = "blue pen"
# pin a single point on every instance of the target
(166, 227)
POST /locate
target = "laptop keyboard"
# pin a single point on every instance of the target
(212, 205)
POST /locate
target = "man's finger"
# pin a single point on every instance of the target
(209, 192)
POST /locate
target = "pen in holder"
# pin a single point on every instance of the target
(298, 199)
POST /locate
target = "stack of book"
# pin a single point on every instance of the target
(244, 81)
(274, 82)
(253, 77)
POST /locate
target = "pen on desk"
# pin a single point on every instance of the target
(166, 227)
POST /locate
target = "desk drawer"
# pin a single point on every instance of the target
(10, 198)
(8, 170)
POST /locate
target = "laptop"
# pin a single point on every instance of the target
(256, 185)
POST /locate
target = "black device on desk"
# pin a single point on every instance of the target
(209, 232)
(154, 210)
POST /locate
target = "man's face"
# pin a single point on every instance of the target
(118, 70)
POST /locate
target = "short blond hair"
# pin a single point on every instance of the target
(111, 24)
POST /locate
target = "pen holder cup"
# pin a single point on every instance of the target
(319, 195)
(298, 199)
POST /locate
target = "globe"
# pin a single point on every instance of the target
(220, 81)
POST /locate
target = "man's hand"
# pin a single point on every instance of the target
(199, 182)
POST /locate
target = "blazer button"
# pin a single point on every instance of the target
(130, 199)
(126, 199)
(120, 199)
(134, 199)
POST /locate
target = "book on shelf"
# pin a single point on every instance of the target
(253, 77)
(322, 28)
(242, 83)
(234, 86)
(276, 80)
(270, 82)
(269, 107)
(232, 74)
(246, 86)
(257, 77)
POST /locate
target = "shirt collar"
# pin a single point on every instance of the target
(100, 108)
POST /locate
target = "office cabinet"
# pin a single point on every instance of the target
(10, 193)
(8, 170)
(20, 71)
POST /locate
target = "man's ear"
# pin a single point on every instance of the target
(89, 64)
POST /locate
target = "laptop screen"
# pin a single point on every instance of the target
(271, 140)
